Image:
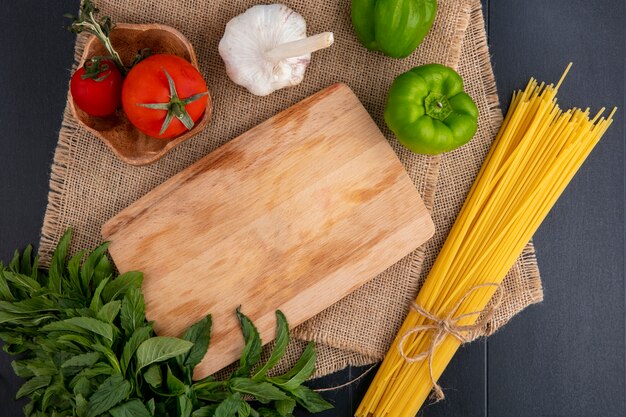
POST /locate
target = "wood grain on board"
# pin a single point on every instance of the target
(292, 215)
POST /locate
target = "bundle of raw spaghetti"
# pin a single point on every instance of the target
(535, 155)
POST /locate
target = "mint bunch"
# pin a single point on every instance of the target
(87, 350)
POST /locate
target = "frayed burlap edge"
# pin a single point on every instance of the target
(51, 230)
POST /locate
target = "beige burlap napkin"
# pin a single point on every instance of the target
(89, 185)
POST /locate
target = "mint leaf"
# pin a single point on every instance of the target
(285, 407)
(244, 409)
(199, 334)
(153, 376)
(109, 311)
(82, 405)
(5, 291)
(280, 345)
(132, 408)
(301, 371)
(133, 313)
(83, 360)
(104, 269)
(264, 392)
(184, 406)
(119, 286)
(158, 349)
(32, 385)
(139, 336)
(96, 299)
(112, 392)
(174, 385)
(89, 266)
(252, 351)
(22, 282)
(73, 270)
(206, 411)
(310, 400)
(85, 323)
(57, 263)
(229, 406)
(82, 387)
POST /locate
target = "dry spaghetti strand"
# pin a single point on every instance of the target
(536, 153)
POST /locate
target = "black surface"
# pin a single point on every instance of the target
(565, 357)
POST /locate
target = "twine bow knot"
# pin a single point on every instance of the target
(448, 325)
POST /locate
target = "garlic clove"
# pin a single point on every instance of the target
(266, 48)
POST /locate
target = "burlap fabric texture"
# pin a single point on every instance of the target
(89, 185)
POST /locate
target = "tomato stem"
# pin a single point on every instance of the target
(175, 107)
(87, 22)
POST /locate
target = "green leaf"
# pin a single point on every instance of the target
(9, 317)
(301, 371)
(151, 406)
(109, 311)
(38, 304)
(28, 408)
(109, 354)
(153, 376)
(132, 408)
(310, 400)
(75, 338)
(57, 263)
(83, 360)
(54, 395)
(79, 324)
(73, 270)
(139, 336)
(5, 291)
(244, 409)
(252, 351)
(200, 335)
(22, 282)
(116, 288)
(112, 392)
(21, 369)
(99, 369)
(184, 406)
(133, 310)
(89, 266)
(264, 392)
(104, 270)
(14, 264)
(206, 411)
(82, 387)
(268, 412)
(96, 299)
(82, 405)
(280, 345)
(32, 385)
(174, 385)
(285, 407)
(158, 349)
(25, 264)
(63, 326)
(228, 407)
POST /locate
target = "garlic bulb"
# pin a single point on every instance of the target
(266, 48)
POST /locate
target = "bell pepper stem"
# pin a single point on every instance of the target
(300, 47)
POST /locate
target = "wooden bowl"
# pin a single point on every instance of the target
(127, 142)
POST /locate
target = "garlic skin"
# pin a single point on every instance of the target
(266, 48)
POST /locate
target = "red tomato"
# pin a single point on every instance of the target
(164, 96)
(97, 87)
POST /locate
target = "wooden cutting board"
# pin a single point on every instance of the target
(292, 215)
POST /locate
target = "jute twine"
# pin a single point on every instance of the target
(448, 325)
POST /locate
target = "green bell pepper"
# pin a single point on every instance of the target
(428, 110)
(393, 27)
